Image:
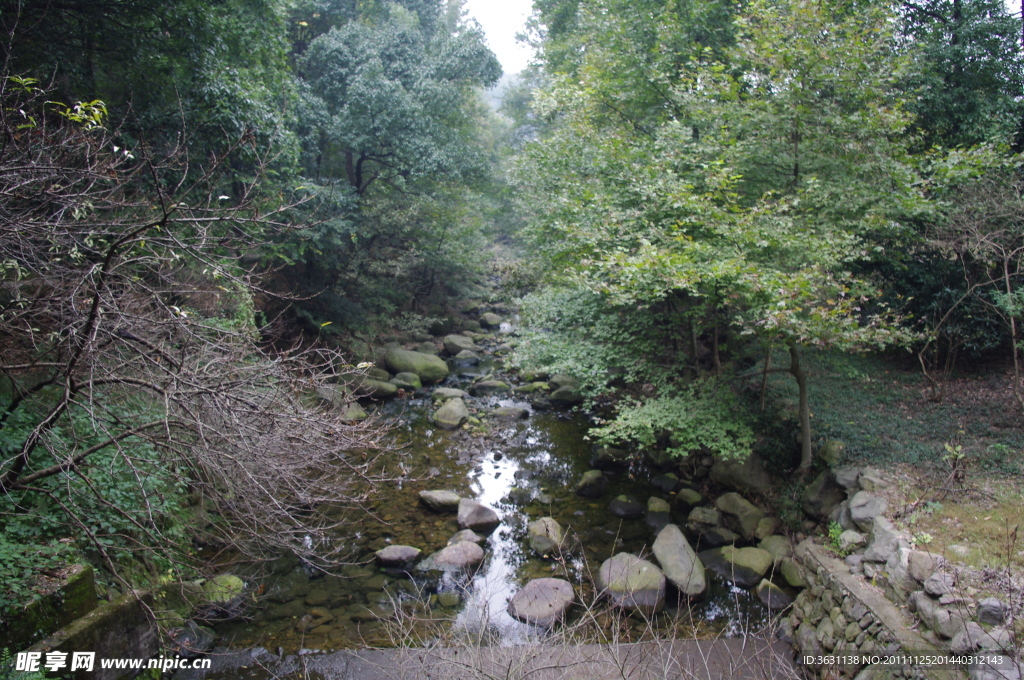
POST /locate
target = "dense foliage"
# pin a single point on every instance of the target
(771, 174)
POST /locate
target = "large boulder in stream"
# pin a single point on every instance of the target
(632, 583)
(490, 320)
(542, 602)
(679, 562)
(741, 515)
(452, 415)
(396, 555)
(375, 389)
(743, 566)
(429, 368)
(461, 555)
(440, 500)
(592, 485)
(477, 516)
(453, 344)
(545, 536)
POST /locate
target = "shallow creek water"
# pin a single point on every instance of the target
(525, 470)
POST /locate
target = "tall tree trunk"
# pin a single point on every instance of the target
(796, 369)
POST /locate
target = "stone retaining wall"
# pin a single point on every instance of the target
(842, 615)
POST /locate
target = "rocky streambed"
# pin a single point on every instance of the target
(507, 521)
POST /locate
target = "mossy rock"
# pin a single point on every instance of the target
(429, 368)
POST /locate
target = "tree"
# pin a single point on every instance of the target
(139, 407)
(763, 180)
(968, 72)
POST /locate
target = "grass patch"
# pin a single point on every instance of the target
(881, 409)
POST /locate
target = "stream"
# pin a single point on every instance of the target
(523, 469)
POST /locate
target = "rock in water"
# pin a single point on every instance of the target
(592, 485)
(741, 515)
(773, 596)
(453, 344)
(461, 555)
(490, 320)
(542, 602)
(429, 368)
(452, 415)
(545, 536)
(679, 562)
(626, 507)
(632, 583)
(396, 555)
(476, 516)
(743, 566)
(488, 387)
(440, 500)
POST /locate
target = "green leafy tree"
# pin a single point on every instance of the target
(768, 175)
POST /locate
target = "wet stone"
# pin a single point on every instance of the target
(626, 507)
(396, 555)
(632, 583)
(441, 500)
(477, 516)
(658, 513)
(592, 484)
(545, 536)
(666, 483)
(542, 602)
(773, 596)
(461, 555)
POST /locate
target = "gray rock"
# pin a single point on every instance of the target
(792, 574)
(702, 519)
(688, 498)
(922, 564)
(565, 397)
(666, 483)
(658, 513)
(632, 583)
(743, 566)
(679, 562)
(446, 393)
(453, 344)
(592, 484)
(944, 622)
(872, 480)
(938, 584)
(841, 516)
(467, 358)
(846, 477)
(511, 413)
(766, 527)
(609, 458)
(545, 536)
(717, 537)
(626, 507)
(477, 516)
(407, 381)
(396, 555)
(461, 555)
(378, 374)
(452, 415)
(487, 387)
(490, 320)
(740, 515)
(997, 667)
(780, 548)
(773, 596)
(822, 496)
(440, 500)
(429, 368)
(542, 602)
(466, 535)
(851, 540)
(973, 638)
(353, 413)
(376, 389)
(865, 507)
(743, 475)
(885, 540)
(991, 611)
